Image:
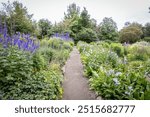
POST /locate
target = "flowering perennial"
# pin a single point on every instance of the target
(65, 36)
(22, 41)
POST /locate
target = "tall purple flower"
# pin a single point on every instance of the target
(1, 25)
(65, 37)
(5, 30)
(22, 41)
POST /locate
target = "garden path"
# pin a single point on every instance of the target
(75, 85)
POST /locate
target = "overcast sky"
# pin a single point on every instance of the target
(120, 10)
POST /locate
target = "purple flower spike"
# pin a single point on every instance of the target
(24, 42)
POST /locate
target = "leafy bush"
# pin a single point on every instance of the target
(14, 65)
(147, 39)
(39, 63)
(19, 81)
(47, 53)
(118, 48)
(130, 34)
(111, 84)
(87, 35)
(29, 70)
(138, 52)
(60, 57)
(103, 44)
(94, 56)
(55, 50)
(117, 78)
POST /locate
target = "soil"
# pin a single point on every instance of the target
(75, 85)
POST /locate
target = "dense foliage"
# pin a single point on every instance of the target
(87, 35)
(17, 18)
(45, 28)
(108, 30)
(131, 34)
(30, 70)
(78, 23)
(116, 71)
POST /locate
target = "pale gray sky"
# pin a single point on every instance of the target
(120, 10)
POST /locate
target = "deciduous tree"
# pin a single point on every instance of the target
(44, 27)
(130, 34)
(108, 30)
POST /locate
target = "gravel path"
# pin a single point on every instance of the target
(75, 85)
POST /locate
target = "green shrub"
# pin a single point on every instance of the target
(87, 35)
(55, 43)
(67, 46)
(14, 65)
(113, 59)
(39, 62)
(147, 39)
(117, 78)
(138, 52)
(118, 48)
(33, 76)
(71, 43)
(95, 56)
(103, 44)
(111, 84)
(42, 85)
(47, 54)
(130, 34)
(60, 56)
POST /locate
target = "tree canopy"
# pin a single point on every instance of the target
(77, 22)
(45, 27)
(72, 11)
(108, 29)
(131, 33)
(17, 18)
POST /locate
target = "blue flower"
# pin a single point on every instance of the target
(1, 40)
(116, 81)
(26, 44)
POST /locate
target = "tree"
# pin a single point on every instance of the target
(22, 20)
(147, 30)
(87, 35)
(130, 34)
(93, 23)
(75, 27)
(79, 25)
(17, 18)
(72, 11)
(108, 30)
(44, 27)
(85, 19)
(85, 28)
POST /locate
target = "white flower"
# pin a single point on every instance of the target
(118, 73)
(128, 93)
(110, 72)
(130, 88)
(116, 81)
